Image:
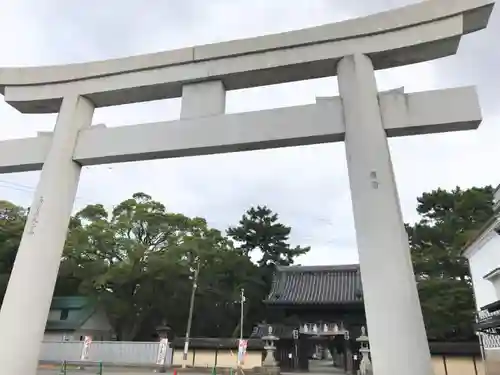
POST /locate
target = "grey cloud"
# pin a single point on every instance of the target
(477, 63)
(307, 186)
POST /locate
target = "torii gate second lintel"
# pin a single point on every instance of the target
(361, 116)
(402, 115)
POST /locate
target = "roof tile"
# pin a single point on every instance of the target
(316, 285)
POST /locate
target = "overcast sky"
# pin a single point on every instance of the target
(307, 186)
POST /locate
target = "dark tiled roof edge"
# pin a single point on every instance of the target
(316, 285)
(340, 267)
(82, 309)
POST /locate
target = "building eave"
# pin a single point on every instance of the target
(493, 274)
(339, 267)
(491, 307)
(83, 309)
(492, 225)
(271, 303)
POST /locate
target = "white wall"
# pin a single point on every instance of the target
(483, 260)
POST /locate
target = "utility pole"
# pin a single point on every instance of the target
(190, 317)
(242, 312)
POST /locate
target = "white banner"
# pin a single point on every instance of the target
(86, 348)
(242, 349)
(162, 352)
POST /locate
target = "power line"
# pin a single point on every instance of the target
(5, 184)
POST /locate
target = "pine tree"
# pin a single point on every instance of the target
(259, 230)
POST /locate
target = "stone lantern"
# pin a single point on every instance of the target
(163, 330)
(269, 366)
(365, 365)
(164, 334)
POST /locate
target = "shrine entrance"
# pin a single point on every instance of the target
(317, 313)
(327, 349)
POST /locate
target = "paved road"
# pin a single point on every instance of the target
(114, 371)
(129, 371)
(89, 372)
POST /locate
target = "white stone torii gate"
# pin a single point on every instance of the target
(361, 117)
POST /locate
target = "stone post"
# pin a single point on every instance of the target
(164, 333)
(270, 366)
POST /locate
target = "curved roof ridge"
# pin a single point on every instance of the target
(318, 268)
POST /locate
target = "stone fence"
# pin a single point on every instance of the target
(110, 352)
(203, 353)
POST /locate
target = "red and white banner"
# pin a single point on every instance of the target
(242, 350)
(86, 348)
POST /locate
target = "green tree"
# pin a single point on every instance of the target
(221, 272)
(12, 220)
(122, 260)
(138, 261)
(448, 220)
(218, 300)
(259, 229)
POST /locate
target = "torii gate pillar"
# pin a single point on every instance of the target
(41, 247)
(392, 305)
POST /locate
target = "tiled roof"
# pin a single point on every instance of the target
(81, 309)
(316, 285)
(70, 302)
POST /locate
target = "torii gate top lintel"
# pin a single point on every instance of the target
(424, 31)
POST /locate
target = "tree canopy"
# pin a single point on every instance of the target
(138, 261)
(448, 219)
(12, 220)
(260, 230)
